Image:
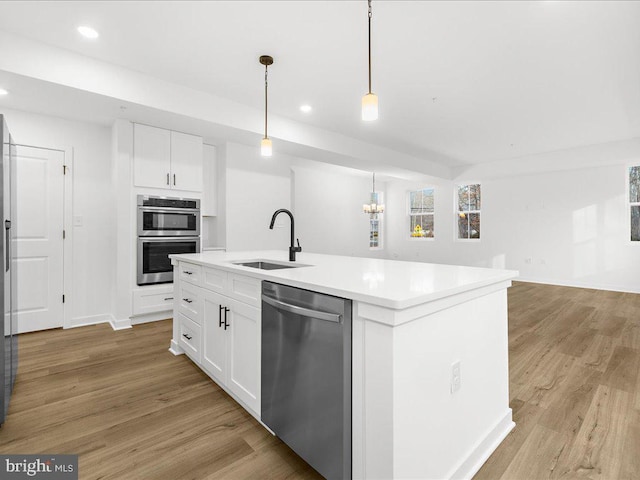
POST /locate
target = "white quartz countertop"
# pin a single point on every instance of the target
(387, 283)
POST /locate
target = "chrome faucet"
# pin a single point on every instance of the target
(292, 248)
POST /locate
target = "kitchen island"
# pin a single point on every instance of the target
(429, 351)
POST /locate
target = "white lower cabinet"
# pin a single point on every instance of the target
(226, 311)
(231, 346)
(243, 353)
(214, 358)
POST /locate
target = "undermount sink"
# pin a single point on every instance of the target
(266, 265)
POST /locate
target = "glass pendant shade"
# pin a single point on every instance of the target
(370, 107)
(266, 149)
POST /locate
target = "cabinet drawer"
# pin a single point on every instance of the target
(190, 337)
(245, 289)
(190, 273)
(214, 280)
(152, 300)
(190, 302)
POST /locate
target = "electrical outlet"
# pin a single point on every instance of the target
(455, 376)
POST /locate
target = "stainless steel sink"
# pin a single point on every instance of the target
(265, 265)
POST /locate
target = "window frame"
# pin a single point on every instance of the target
(456, 212)
(409, 215)
(380, 221)
(379, 217)
(627, 188)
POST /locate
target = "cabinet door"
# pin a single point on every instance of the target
(244, 353)
(151, 156)
(186, 162)
(214, 349)
(209, 204)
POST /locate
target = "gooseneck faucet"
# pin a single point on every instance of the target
(292, 248)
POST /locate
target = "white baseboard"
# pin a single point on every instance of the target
(89, 320)
(121, 324)
(578, 284)
(483, 450)
(175, 348)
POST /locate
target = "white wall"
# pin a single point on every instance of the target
(328, 207)
(93, 242)
(255, 188)
(572, 224)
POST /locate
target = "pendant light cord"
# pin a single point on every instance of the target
(266, 69)
(369, 46)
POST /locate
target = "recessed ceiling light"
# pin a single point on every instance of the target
(88, 32)
(3, 91)
(305, 108)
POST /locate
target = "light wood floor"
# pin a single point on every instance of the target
(574, 364)
(131, 410)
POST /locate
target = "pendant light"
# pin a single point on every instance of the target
(266, 149)
(373, 207)
(370, 100)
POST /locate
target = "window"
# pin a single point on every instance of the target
(634, 202)
(421, 212)
(375, 234)
(375, 220)
(468, 211)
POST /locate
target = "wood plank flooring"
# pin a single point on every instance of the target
(131, 410)
(574, 363)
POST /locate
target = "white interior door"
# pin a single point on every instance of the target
(39, 242)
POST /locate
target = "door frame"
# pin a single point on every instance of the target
(67, 225)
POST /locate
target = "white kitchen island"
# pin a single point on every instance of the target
(411, 323)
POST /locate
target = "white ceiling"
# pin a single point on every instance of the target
(509, 78)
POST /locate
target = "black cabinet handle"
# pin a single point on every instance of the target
(187, 336)
(174, 179)
(186, 272)
(226, 325)
(167, 179)
(168, 298)
(188, 300)
(220, 315)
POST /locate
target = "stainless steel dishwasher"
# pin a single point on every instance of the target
(306, 375)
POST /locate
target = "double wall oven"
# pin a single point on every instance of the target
(166, 226)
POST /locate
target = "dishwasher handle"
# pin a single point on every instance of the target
(306, 312)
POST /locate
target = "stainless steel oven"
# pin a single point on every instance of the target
(154, 265)
(166, 226)
(164, 216)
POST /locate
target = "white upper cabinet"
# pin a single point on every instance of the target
(152, 156)
(166, 159)
(209, 204)
(186, 162)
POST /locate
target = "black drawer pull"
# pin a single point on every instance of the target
(188, 300)
(168, 298)
(187, 336)
(226, 325)
(187, 272)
